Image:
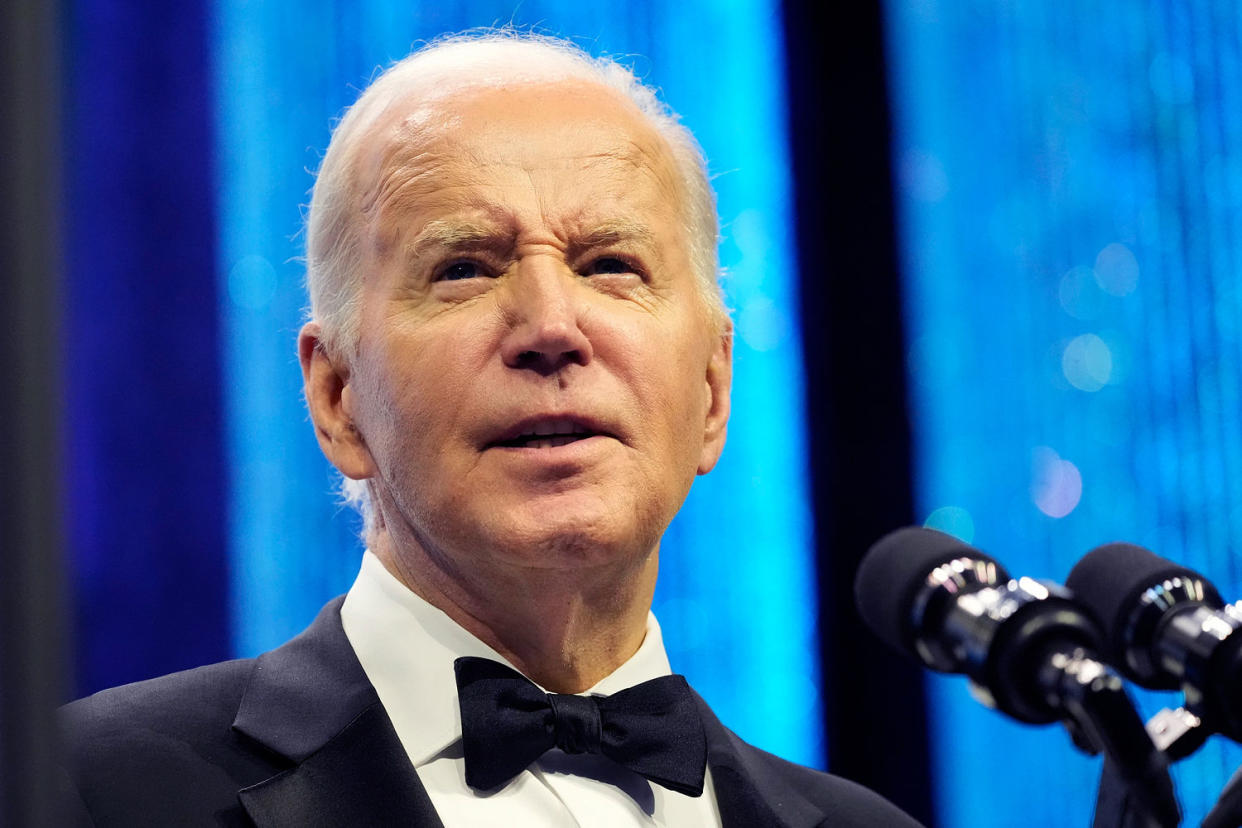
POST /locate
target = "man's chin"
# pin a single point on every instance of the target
(561, 542)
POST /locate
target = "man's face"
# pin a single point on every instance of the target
(537, 379)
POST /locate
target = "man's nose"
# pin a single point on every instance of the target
(545, 309)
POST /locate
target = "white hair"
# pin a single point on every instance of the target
(336, 223)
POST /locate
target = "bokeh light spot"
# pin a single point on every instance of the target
(1087, 362)
(1056, 484)
(1116, 270)
(1079, 293)
(761, 324)
(252, 282)
(952, 520)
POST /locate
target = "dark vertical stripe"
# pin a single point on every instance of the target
(143, 428)
(31, 625)
(853, 339)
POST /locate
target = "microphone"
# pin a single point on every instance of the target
(1166, 626)
(1028, 648)
(957, 610)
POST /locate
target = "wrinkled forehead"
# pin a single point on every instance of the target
(571, 123)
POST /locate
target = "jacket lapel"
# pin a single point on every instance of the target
(311, 702)
(748, 792)
(361, 776)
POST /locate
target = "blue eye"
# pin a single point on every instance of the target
(607, 265)
(460, 270)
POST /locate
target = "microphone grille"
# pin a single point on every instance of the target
(1110, 579)
(892, 572)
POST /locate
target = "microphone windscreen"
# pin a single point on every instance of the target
(893, 571)
(1110, 578)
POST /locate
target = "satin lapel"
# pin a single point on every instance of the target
(311, 702)
(360, 777)
(748, 795)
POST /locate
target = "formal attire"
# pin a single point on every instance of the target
(346, 726)
(407, 648)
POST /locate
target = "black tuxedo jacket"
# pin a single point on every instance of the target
(298, 737)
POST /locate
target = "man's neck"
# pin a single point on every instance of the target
(564, 628)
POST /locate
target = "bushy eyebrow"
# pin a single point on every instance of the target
(467, 234)
(457, 234)
(616, 231)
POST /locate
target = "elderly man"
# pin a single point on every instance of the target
(519, 359)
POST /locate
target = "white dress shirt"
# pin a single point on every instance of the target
(407, 648)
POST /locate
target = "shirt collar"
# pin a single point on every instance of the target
(407, 648)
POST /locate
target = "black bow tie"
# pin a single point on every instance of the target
(507, 722)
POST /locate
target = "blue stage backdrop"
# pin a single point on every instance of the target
(1070, 190)
(144, 475)
(736, 595)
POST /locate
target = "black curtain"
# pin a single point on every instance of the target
(855, 359)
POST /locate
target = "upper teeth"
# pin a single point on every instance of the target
(564, 426)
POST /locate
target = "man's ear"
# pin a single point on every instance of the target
(719, 381)
(330, 397)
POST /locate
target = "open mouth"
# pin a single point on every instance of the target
(547, 434)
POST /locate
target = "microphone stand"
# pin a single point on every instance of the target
(1175, 734)
(1180, 732)
(1100, 718)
